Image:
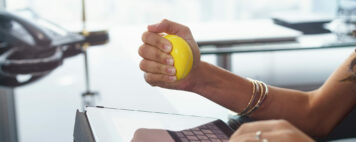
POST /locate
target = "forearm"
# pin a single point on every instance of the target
(234, 92)
(222, 87)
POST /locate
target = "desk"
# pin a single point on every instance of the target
(223, 46)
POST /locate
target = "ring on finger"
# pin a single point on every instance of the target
(258, 135)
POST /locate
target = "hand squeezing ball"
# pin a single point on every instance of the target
(182, 56)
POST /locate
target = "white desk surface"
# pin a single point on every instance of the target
(253, 30)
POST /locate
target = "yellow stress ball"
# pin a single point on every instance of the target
(182, 55)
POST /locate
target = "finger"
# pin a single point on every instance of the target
(157, 68)
(251, 137)
(171, 27)
(156, 40)
(289, 134)
(253, 127)
(245, 138)
(156, 79)
(275, 136)
(151, 53)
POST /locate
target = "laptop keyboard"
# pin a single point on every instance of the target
(205, 133)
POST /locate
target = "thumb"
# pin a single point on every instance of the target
(169, 27)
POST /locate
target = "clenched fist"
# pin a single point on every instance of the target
(158, 64)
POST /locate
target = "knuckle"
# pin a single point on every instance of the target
(141, 50)
(284, 134)
(283, 121)
(246, 139)
(159, 67)
(164, 78)
(143, 65)
(148, 78)
(282, 124)
(149, 82)
(157, 55)
(158, 41)
(244, 126)
(162, 58)
(236, 134)
(165, 20)
(186, 29)
(145, 36)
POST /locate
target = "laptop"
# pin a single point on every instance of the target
(101, 124)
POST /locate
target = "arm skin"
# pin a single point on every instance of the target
(316, 112)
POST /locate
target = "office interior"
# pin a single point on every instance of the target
(45, 109)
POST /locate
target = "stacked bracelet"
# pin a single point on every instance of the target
(255, 90)
(259, 89)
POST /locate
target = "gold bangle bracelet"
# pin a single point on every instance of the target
(265, 94)
(253, 97)
(262, 97)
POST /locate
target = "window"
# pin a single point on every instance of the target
(2, 4)
(131, 12)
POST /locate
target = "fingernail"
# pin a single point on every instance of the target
(171, 70)
(167, 48)
(173, 78)
(170, 61)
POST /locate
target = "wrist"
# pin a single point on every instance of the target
(195, 76)
(199, 78)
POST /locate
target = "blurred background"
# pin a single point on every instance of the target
(137, 12)
(45, 110)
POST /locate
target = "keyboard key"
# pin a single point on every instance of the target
(184, 140)
(215, 140)
(196, 129)
(180, 134)
(203, 127)
(198, 132)
(222, 137)
(212, 136)
(188, 133)
(192, 138)
(206, 131)
(202, 137)
(217, 132)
